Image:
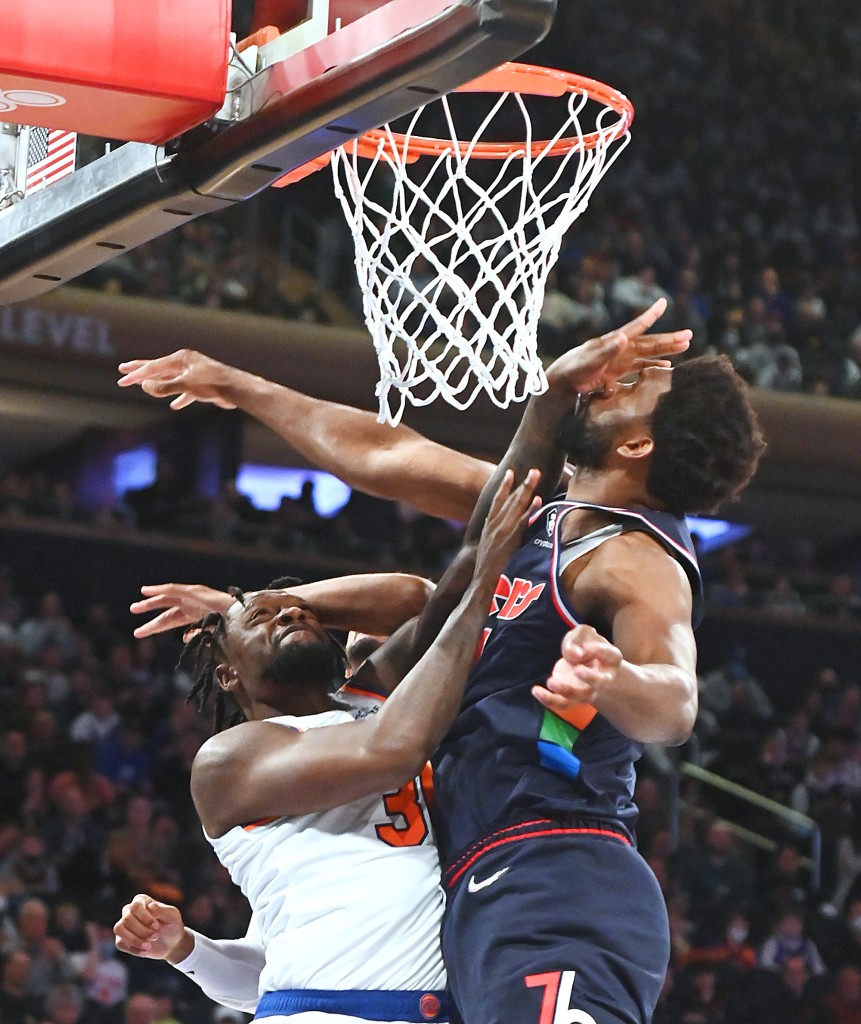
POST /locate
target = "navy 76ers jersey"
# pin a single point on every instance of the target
(507, 759)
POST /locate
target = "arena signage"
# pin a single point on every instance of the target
(34, 328)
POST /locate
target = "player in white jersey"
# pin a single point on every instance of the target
(316, 812)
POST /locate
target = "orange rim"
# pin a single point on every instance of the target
(528, 80)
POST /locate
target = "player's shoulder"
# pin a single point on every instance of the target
(635, 551)
(227, 750)
(634, 565)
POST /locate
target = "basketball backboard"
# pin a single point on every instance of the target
(326, 72)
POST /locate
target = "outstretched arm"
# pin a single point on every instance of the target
(227, 970)
(375, 603)
(260, 769)
(389, 462)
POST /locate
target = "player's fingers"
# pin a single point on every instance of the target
(161, 595)
(130, 366)
(132, 948)
(171, 619)
(502, 492)
(140, 911)
(152, 604)
(131, 930)
(644, 364)
(601, 650)
(136, 369)
(572, 642)
(145, 374)
(522, 502)
(555, 702)
(577, 682)
(666, 345)
(127, 944)
(191, 597)
(607, 343)
(525, 492)
(158, 388)
(640, 324)
(197, 592)
(601, 351)
(182, 401)
(161, 912)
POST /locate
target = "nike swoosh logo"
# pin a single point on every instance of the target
(474, 886)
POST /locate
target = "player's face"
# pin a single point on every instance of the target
(634, 396)
(605, 417)
(276, 637)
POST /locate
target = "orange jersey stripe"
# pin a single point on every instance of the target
(259, 823)
(579, 717)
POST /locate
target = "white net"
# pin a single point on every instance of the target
(453, 253)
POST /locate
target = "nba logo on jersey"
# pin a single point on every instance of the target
(551, 521)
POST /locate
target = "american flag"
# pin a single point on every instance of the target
(50, 156)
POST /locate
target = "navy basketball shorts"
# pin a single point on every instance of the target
(554, 924)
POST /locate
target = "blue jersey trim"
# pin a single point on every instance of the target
(415, 1007)
(557, 759)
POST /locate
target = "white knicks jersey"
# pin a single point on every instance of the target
(346, 899)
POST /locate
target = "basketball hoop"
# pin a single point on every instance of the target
(452, 260)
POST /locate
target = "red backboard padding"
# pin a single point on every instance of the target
(139, 70)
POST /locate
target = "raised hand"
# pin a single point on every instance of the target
(190, 375)
(503, 529)
(588, 662)
(152, 930)
(182, 604)
(629, 349)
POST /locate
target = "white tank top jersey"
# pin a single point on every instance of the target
(346, 899)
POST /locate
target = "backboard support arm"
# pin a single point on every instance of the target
(139, 192)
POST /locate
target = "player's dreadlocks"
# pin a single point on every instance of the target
(201, 656)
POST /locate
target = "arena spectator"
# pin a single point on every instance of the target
(64, 1004)
(844, 1004)
(49, 961)
(787, 942)
(50, 626)
(18, 1005)
(714, 874)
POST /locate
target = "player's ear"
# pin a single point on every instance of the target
(227, 677)
(639, 447)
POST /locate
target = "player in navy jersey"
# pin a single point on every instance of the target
(552, 916)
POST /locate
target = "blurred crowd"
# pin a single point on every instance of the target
(371, 531)
(736, 200)
(765, 907)
(96, 745)
(365, 529)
